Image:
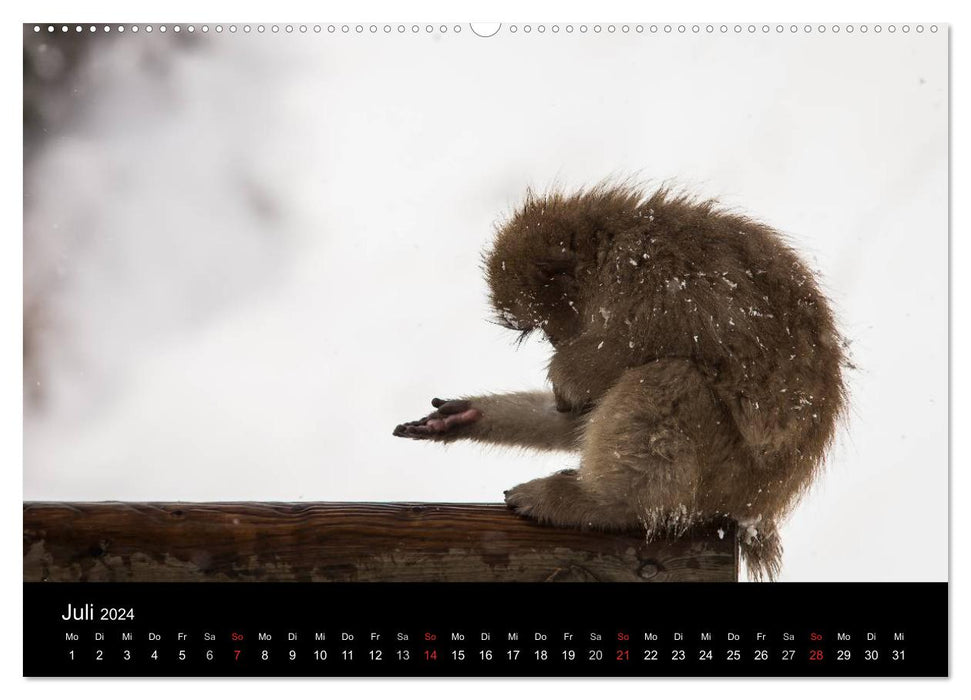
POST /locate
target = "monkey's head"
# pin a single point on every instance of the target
(546, 253)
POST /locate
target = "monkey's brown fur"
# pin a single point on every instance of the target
(696, 366)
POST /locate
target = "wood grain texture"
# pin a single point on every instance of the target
(349, 542)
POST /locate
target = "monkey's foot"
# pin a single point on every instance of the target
(553, 499)
(561, 500)
(450, 416)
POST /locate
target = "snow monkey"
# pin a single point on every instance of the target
(696, 366)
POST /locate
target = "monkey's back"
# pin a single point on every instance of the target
(689, 281)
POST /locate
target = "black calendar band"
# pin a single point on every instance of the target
(474, 629)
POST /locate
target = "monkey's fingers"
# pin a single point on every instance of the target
(423, 428)
(415, 432)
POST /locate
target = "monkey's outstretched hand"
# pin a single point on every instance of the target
(448, 418)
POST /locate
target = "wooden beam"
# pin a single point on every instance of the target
(349, 542)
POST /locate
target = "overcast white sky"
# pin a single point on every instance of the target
(257, 254)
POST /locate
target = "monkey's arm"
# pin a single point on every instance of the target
(521, 419)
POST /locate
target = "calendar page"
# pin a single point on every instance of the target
(470, 349)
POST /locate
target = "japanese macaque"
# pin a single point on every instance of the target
(696, 366)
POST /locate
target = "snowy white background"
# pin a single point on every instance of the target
(256, 254)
